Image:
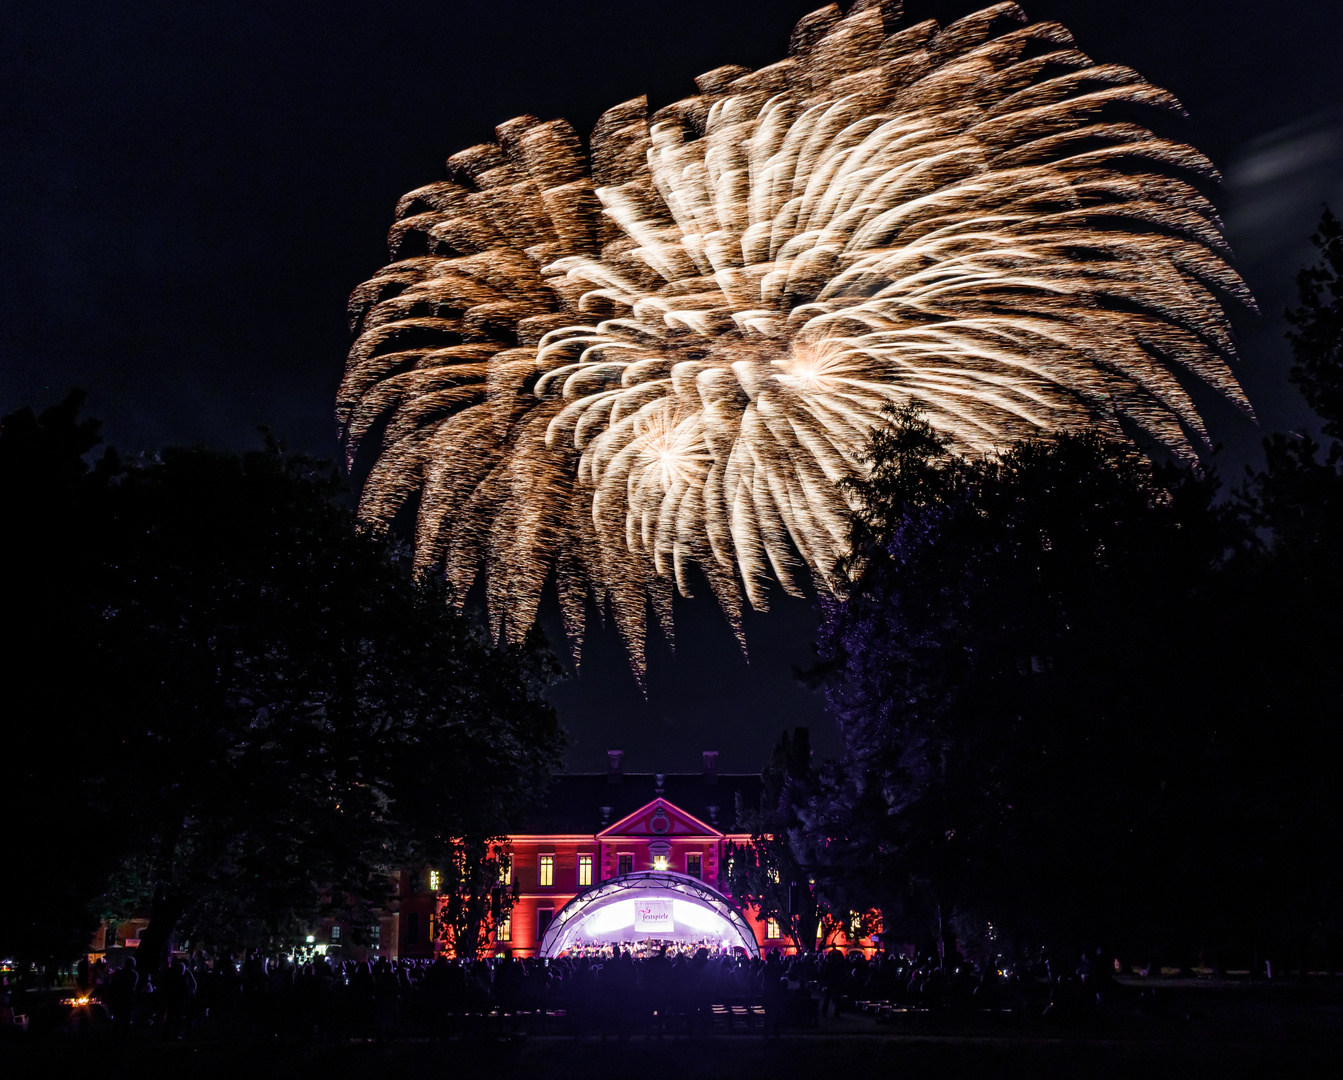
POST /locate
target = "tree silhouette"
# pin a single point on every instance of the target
(1020, 695)
(770, 872)
(1317, 341)
(1086, 699)
(56, 507)
(274, 711)
(1292, 584)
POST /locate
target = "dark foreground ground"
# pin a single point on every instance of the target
(1207, 1031)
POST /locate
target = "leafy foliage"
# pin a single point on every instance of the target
(55, 506)
(1318, 338)
(769, 873)
(473, 895)
(1290, 676)
(282, 713)
(1017, 701)
(1087, 700)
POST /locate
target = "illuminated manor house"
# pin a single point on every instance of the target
(612, 858)
(616, 858)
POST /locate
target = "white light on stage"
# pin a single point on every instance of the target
(669, 909)
(700, 918)
(609, 919)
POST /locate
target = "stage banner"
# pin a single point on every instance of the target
(654, 917)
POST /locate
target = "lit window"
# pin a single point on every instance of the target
(855, 926)
(504, 930)
(774, 876)
(585, 870)
(624, 864)
(546, 878)
(435, 880)
(506, 872)
(772, 931)
(659, 863)
(335, 934)
(694, 865)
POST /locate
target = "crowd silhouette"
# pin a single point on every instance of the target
(662, 993)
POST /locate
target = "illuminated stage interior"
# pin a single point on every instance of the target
(657, 906)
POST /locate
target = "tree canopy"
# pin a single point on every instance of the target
(1015, 654)
(1317, 337)
(238, 705)
(1089, 699)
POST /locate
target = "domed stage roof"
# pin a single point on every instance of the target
(657, 904)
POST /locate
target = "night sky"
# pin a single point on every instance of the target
(188, 193)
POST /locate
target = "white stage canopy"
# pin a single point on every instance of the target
(657, 904)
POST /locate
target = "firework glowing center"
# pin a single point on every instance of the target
(667, 351)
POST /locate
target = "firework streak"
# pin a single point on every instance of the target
(664, 353)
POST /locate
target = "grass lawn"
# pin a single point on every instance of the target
(1200, 1032)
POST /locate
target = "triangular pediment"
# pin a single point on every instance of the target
(659, 819)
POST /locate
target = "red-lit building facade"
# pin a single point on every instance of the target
(593, 828)
(596, 827)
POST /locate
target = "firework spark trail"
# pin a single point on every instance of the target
(668, 351)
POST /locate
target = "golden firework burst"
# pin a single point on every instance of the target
(611, 365)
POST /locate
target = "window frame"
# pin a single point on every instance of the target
(584, 869)
(545, 871)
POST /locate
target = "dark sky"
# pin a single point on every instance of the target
(188, 192)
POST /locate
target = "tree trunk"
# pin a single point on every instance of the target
(946, 934)
(808, 919)
(157, 938)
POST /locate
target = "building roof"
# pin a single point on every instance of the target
(586, 803)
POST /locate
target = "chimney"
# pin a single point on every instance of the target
(614, 775)
(711, 766)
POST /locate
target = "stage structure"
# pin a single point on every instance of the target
(659, 906)
(582, 863)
